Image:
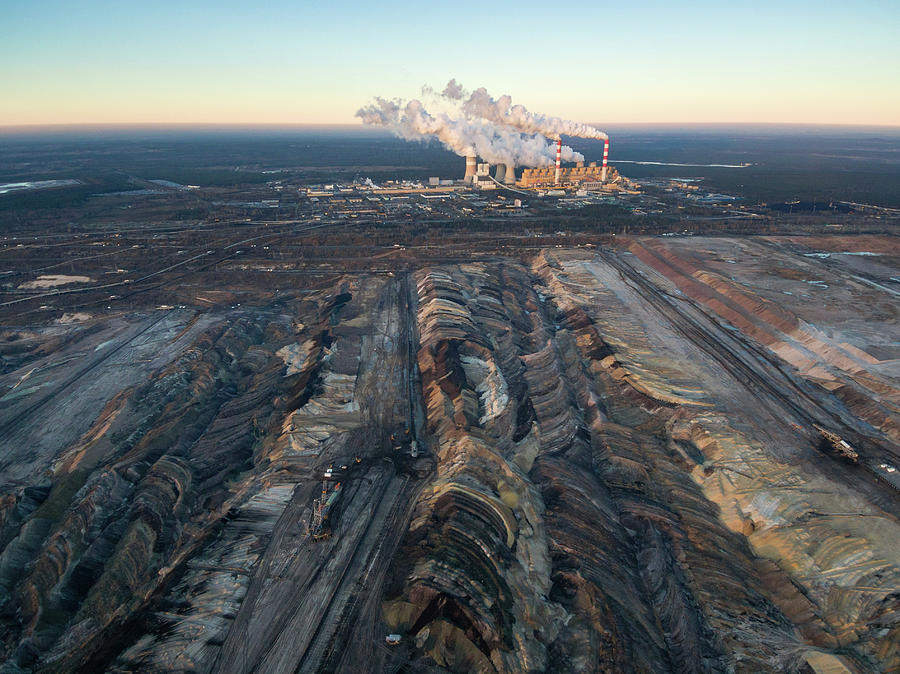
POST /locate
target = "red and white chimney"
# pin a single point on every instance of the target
(558, 155)
(605, 158)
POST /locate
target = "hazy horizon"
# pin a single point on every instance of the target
(40, 129)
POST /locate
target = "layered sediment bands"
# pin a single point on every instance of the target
(310, 381)
(146, 505)
(806, 529)
(605, 461)
(476, 556)
(321, 372)
(695, 576)
(609, 626)
(555, 391)
(192, 620)
(824, 355)
(149, 490)
(602, 602)
(837, 548)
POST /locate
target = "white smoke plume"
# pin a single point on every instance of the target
(503, 134)
(481, 105)
(453, 91)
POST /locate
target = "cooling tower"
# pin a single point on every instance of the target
(500, 174)
(471, 161)
(510, 177)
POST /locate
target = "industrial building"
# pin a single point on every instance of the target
(479, 175)
(577, 175)
(588, 177)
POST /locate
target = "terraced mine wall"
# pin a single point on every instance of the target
(586, 514)
(615, 469)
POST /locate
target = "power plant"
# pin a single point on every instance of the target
(500, 133)
(591, 176)
(588, 177)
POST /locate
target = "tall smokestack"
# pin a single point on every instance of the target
(558, 153)
(500, 174)
(605, 157)
(510, 178)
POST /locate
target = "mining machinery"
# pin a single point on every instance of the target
(323, 506)
(838, 445)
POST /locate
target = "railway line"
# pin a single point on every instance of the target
(310, 655)
(24, 416)
(285, 631)
(725, 349)
(309, 602)
(340, 614)
(357, 635)
(360, 603)
(722, 348)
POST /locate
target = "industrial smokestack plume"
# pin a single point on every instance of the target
(558, 153)
(477, 124)
(500, 175)
(510, 177)
(605, 157)
(471, 161)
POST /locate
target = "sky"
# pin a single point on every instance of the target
(280, 62)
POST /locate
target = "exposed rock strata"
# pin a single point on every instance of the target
(607, 494)
(651, 557)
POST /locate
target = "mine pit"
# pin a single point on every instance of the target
(623, 457)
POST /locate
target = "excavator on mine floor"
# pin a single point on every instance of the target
(837, 444)
(886, 472)
(320, 526)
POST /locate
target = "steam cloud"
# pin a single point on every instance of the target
(502, 111)
(453, 90)
(477, 124)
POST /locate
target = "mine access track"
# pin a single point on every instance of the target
(340, 616)
(726, 349)
(25, 415)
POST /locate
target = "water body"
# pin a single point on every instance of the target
(37, 185)
(663, 163)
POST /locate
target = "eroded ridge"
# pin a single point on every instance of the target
(611, 497)
(583, 460)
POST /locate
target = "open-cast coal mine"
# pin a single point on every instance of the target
(643, 454)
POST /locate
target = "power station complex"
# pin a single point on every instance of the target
(588, 177)
(475, 124)
(591, 176)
